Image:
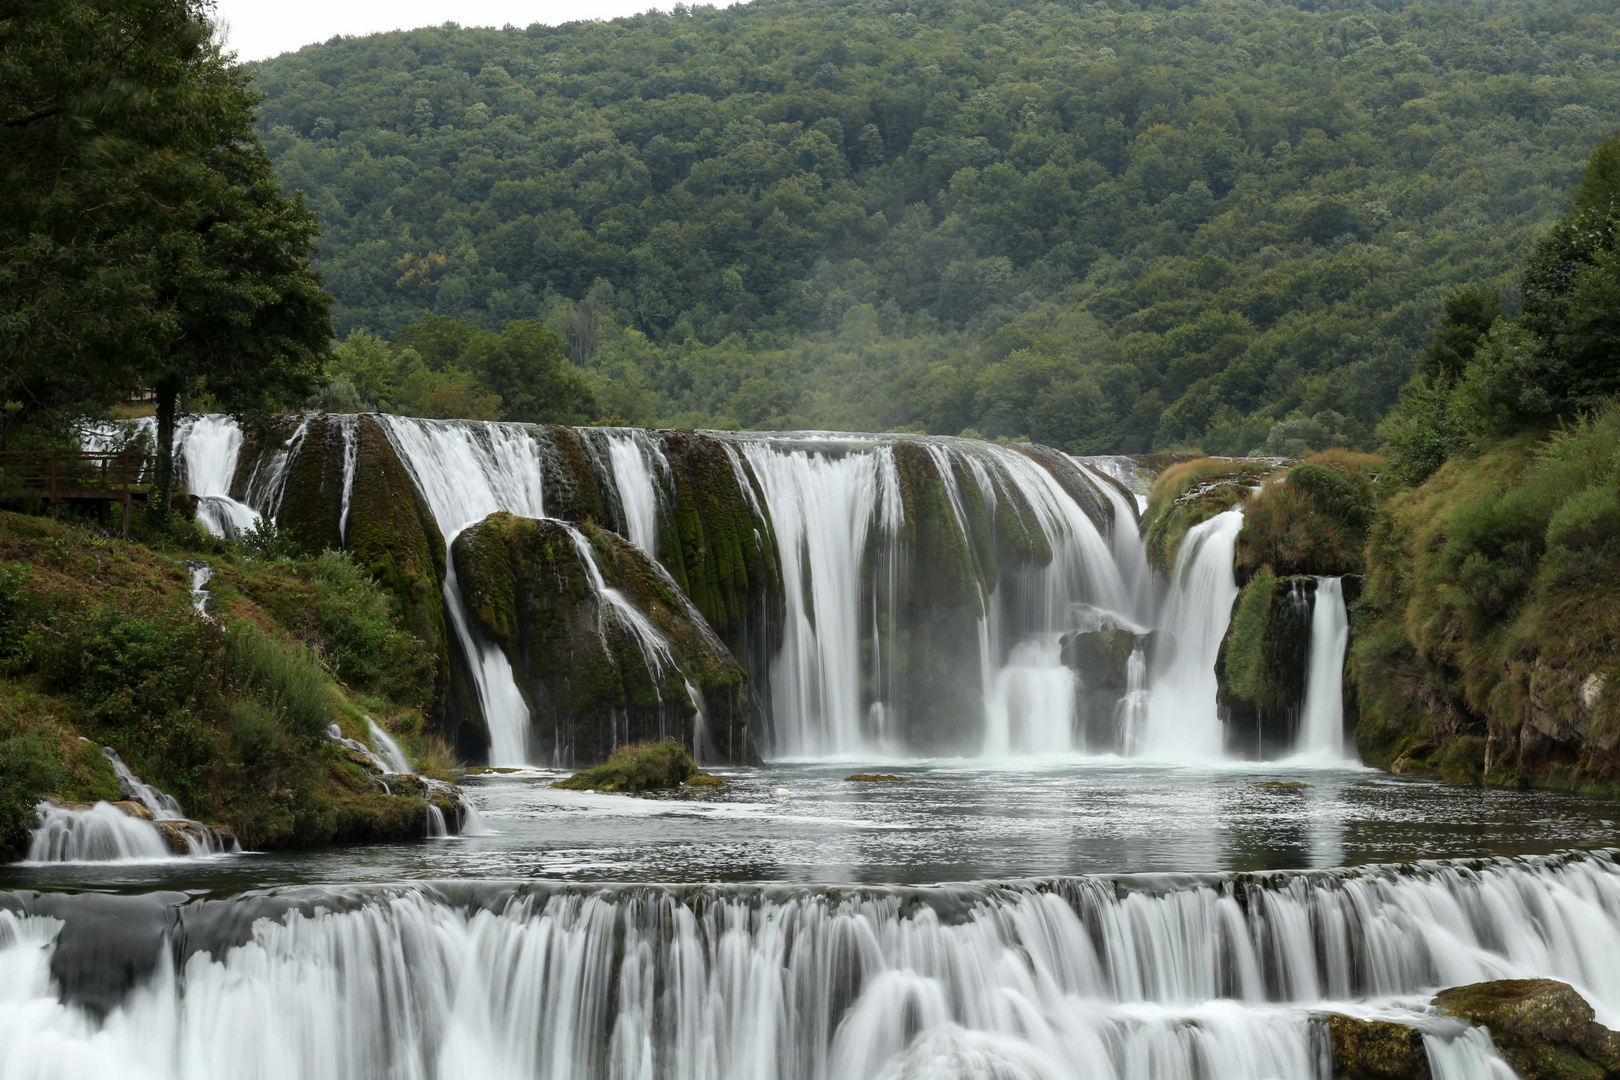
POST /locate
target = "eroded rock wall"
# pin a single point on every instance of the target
(593, 679)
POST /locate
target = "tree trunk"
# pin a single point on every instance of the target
(168, 392)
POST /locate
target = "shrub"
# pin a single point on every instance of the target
(363, 642)
(265, 541)
(257, 730)
(15, 611)
(288, 680)
(638, 767)
(1494, 546)
(29, 766)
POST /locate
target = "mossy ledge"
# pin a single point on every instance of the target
(648, 766)
(99, 642)
(1190, 493)
(592, 683)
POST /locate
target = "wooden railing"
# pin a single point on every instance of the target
(59, 476)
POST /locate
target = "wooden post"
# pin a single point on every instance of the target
(50, 473)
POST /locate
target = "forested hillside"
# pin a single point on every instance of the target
(1104, 226)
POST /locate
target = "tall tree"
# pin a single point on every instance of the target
(145, 242)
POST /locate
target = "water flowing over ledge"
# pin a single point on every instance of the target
(1172, 976)
(887, 595)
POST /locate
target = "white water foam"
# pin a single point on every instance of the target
(1321, 728)
(1124, 978)
(1182, 723)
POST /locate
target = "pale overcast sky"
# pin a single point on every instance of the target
(261, 28)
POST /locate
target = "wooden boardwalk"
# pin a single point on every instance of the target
(60, 476)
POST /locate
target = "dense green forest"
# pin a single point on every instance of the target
(1104, 226)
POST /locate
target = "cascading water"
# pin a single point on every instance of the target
(1182, 724)
(105, 833)
(466, 472)
(836, 508)
(822, 501)
(386, 750)
(1321, 728)
(634, 459)
(1117, 977)
(206, 449)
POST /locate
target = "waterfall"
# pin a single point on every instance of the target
(102, 833)
(465, 472)
(386, 751)
(634, 457)
(206, 449)
(1130, 978)
(162, 805)
(822, 500)
(1182, 723)
(349, 425)
(1321, 731)
(1031, 705)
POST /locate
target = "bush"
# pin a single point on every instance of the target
(638, 767)
(29, 766)
(265, 541)
(287, 679)
(1494, 546)
(257, 730)
(15, 611)
(363, 642)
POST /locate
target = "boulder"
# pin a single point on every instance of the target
(1101, 658)
(1376, 1050)
(1260, 669)
(602, 641)
(1543, 1027)
(643, 767)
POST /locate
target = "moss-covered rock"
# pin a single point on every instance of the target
(577, 486)
(1376, 1050)
(643, 767)
(311, 509)
(1542, 1027)
(929, 640)
(392, 536)
(724, 555)
(1260, 669)
(599, 675)
(1191, 492)
(1314, 520)
(1101, 657)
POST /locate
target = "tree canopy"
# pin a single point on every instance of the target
(146, 242)
(1108, 226)
(1487, 372)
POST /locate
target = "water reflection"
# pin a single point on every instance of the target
(952, 821)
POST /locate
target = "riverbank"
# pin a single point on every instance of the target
(223, 698)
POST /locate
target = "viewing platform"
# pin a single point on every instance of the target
(68, 476)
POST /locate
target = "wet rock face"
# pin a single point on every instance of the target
(1101, 658)
(1542, 1027)
(392, 536)
(594, 678)
(1376, 1050)
(1260, 670)
(311, 508)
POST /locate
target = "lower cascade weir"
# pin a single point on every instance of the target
(1183, 978)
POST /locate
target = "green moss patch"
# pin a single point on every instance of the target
(642, 767)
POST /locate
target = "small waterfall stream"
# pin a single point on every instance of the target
(1182, 724)
(1321, 727)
